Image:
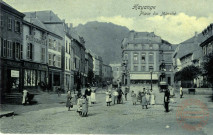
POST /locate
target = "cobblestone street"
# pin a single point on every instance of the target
(47, 117)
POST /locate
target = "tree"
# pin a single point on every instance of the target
(208, 67)
(188, 73)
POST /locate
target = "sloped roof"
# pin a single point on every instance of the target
(44, 16)
(191, 45)
(12, 9)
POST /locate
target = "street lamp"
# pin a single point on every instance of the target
(151, 70)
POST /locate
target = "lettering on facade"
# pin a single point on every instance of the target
(14, 64)
(35, 40)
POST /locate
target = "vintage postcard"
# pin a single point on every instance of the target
(106, 67)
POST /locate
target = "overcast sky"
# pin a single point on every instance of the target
(191, 15)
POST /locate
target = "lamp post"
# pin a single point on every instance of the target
(151, 70)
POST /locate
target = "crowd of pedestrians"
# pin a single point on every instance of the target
(146, 97)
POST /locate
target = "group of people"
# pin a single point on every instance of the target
(117, 95)
(145, 97)
(84, 100)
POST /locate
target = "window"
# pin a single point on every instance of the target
(43, 54)
(151, 47)
(9, 49)
(50, 59)
(69, 64)
(126, 56)
(143, 68)
(4, 42)
(17, 26)
(151, 57)
(50, 43)
(59, 61)
(135, 68)
(29, 77)
(54, 45)
(69, 48)
(66, 47)
(29, 51)
(18, 50)
(1, 20)
(151, 68)
(143, 57)
(66, 62)
(9, 23)
(59, 46)
(135, 58)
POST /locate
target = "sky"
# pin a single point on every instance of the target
(188, 16)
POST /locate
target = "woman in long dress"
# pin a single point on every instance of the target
(152, 99)
(85, 106)
(108, 97)
(134, 98)
(68, 104)
(93, 98)
(144, 101)
(147, 96)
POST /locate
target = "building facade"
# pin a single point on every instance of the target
(189, 53)
(116, 72)
(142, 55)
(106, 73)
(11, 53)
(97, 69)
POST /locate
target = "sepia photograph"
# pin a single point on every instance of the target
(106, 67)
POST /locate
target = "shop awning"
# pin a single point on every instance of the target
(143, 77)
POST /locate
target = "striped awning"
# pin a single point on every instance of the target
(143, 77)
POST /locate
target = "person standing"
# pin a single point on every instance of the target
(172, 93)
(68, 104)
(88, 94)
(148, 96)
(24, 98)
(85, 106)
(93, 97)
(108, 97)
(181, 92)
(166, 100)
(115, 96)
(120, 93)
(126, 92)
(144, 101)
(134, 98)
(152, 97)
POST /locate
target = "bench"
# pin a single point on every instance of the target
(191, 90)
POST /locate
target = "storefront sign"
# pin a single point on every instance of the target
(14, 73)
(35, 40)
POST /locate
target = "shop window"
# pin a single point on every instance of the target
(29, 77)
(17, 26)
(29, 51)
(9, 23)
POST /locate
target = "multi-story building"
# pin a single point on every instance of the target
(106, 73)
(116, 72)
(97, 69)
(142, 55)
(11, 53)
(189, 53)
(89, 67)
(207, 47)
(35, 62)
(78, 58)
(53, 23)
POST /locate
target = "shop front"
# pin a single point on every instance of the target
(34, 76)
(11, 74)
(55, 78)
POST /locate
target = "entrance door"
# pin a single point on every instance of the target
(169, 80)
(13, 82)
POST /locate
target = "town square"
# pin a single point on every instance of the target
(80, 67)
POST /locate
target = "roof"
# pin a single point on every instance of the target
(191, 46)
(35, 21)
(44, 16)
(15, 11)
